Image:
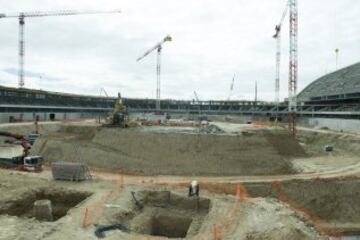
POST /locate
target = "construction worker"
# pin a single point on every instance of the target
(194, 189)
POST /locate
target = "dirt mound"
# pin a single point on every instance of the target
(330, 203)
(329, 200)
(268, 219)
(211, 129)
(344, 144)
(285, 144)
(133, 150)
(27, 128)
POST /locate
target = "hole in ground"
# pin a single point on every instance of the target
(162, 213)
(174, 226)
(62, 200)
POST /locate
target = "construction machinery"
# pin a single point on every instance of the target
(277, 37)
(23, 162)
(22, 15)
(119, 117)
(292, 7)
(293, 65)
(157, 47)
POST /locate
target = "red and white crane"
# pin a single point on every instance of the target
(292, 7)
(157, 47)
(293, 65)
(22, 15)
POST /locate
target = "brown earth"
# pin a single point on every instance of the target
(331, 202)
(237, 220)
(144, 152)
(326, 202)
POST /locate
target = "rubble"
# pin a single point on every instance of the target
(211, 129)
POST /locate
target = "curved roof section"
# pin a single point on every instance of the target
(339, 84)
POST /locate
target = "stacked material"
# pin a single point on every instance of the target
(211, 129)
(70, 171)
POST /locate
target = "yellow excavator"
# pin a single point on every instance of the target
(119, 118)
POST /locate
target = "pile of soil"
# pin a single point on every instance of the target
(211, 129)
(333, 203)
(285, 144)
(144, 152)
(343, 144)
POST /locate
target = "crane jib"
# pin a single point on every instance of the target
(54, 13)
(22, 15)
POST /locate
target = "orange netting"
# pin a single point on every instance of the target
(316, 221)
(229, 223)
(93, 212)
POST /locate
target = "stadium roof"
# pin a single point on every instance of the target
(342, 84)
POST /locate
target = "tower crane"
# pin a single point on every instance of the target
(277, 37)
(292, 7)
(22, 15)
(293, 65)
(157, 47)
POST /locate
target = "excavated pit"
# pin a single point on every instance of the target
(61, 202)
(166, 225)
(162, 213)
(331, 204)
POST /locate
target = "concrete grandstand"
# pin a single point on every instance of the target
(334, 95)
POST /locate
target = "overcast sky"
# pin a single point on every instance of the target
(212, 41)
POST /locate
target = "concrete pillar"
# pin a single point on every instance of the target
(43, 210)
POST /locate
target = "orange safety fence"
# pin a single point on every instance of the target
(216, 233)
(228, 224)
(93, 212)
(316, 221)
(263, 124)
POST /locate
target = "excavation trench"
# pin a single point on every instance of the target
(331, 204)
(163, 213)
(61, 202)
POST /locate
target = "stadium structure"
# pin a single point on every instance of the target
(335, 95)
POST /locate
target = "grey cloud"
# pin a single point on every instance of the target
(212, 40)
(31, 74)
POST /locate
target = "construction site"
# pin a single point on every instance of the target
(82, 166)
